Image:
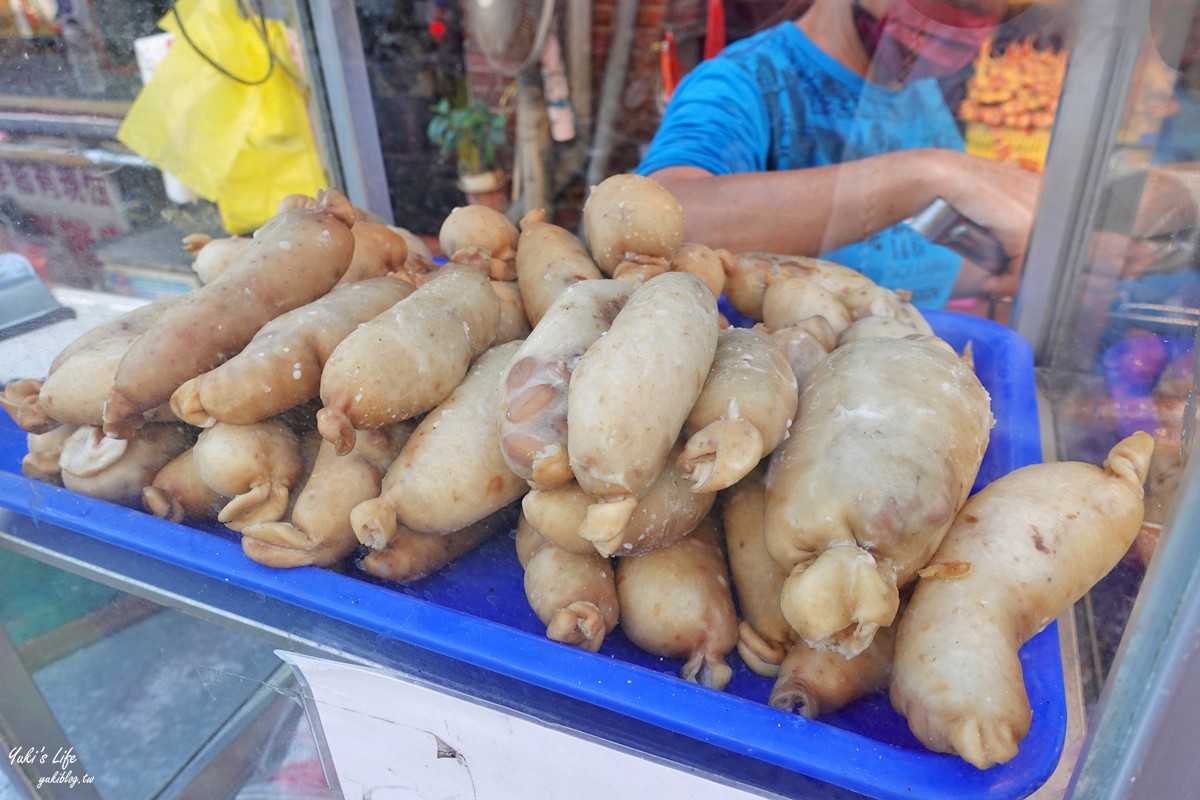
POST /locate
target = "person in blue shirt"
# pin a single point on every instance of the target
(820, 135)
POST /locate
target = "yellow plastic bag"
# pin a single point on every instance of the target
(243, 139)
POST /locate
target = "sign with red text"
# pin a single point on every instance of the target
(77, 205)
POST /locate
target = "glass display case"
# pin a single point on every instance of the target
(146, 650)
(69, 77)
(100, 228)
(1109, 304)
(88, 209)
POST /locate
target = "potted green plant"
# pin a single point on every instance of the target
(475, 135)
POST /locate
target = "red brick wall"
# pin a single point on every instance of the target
(640, 107)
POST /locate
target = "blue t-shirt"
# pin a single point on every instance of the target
(775, 101)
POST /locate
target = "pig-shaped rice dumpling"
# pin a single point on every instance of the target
(676, 602)
(533, 394)
(293, 259)
(884, 450)
(318, 529)
(764, 635)
(450, 472)
(632, 392)
(178, 493)
(1021, 552)
(256, 465)
(117, 470)
(408, 359)
(549, 259)
(747, 403)
(815, 682)
(41, 462)
(281, 366)
(573, 594)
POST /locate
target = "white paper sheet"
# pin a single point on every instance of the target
(390, 737)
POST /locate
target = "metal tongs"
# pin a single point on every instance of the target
(942, 223)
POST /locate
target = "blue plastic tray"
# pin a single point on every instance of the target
(475, 611)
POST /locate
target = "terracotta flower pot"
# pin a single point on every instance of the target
(486, 189)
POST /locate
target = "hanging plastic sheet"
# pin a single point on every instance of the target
(226, 113)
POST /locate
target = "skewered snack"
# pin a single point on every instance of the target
(533, 392)
(884, 450)
(549, 259)
(574, 595)
(255, 465)
(745, 407)
(294, 259)
(632, 392)
(480, 226)
(281, 366)
(118, 469)
(764, 635)
(675, 602)
(1021, 552)
(450, 474)
(409, 358)
(318, 529)
(1012, 98)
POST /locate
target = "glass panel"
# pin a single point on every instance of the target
(1121, 356)
(140, 692)
(87, 210)
(91, 214)
(414, 58)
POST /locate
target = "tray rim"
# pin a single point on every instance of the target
(837, 756)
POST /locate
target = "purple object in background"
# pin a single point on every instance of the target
(1132, 369)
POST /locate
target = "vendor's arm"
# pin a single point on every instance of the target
(814, 210)
(711, 151)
